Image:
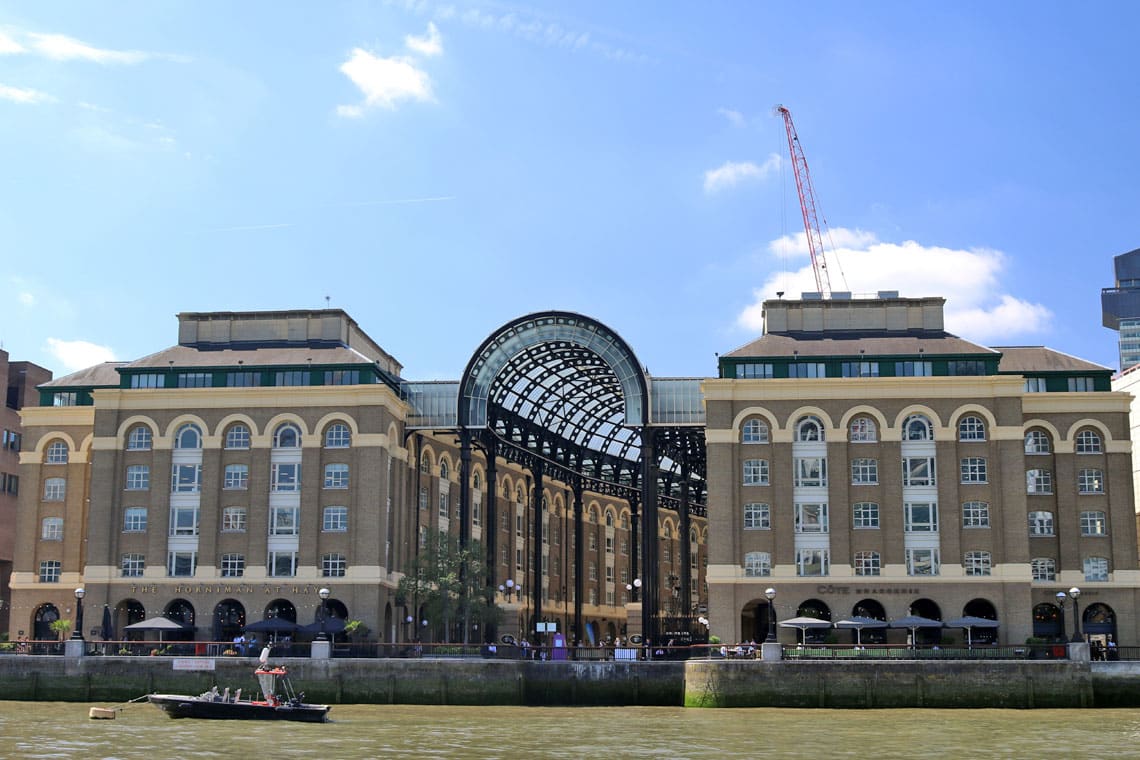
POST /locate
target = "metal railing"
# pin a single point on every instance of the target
(871, 652)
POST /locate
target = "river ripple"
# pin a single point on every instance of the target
(42, 730)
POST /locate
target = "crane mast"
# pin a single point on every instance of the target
(807, 205)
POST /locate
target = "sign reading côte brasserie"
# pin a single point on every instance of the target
(831, 588)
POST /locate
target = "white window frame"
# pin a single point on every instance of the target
(757, 565)
(50, 570)
(978, 563)
(1089, 442)
(754, 431)
(919, 471)
(975, 514)
(334, 565)
(1094, 522)
(810, 472)
(238, 437)
(232, 565)
(867, 563)
(809, 559)
(757, 516)
(234, 520)
(338, 436)
(55, 489)
(134, 520)
(756, 472)
(927, 525)
(281, 559)
(1039, 481)
(57, 453)
(1096, 569)
(923, 562)
(1037, 442)
(1041, 523)
(864, 472)
(284, 521)
(285, 477)
(138, 477)
(1090, 480)
(140, 438)
(176, 559)
(236, 477)
(811, 518)
(865, 515)
(971, 428)
(1043, 568)
(51, 529)
(864, 430)
(336, 475)
(185, 520)
(334, 519)
(186, 478)
(974, 470)
(132, 565)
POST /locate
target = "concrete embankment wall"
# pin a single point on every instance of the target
(697, 683)
(951, 683)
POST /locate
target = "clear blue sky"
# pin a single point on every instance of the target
(439, 168)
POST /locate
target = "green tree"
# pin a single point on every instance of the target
(450, 584)
(61, 628)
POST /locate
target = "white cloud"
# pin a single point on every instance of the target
(26, 299)
(735, 118)
(977, 306)
(9, 46)
(60, 47)
(78, 354)
(384, 81)
(731, 174)
(429, 45)
(24, 95)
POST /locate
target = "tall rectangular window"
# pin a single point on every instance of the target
(284, 521)
(1082, 385)
(184, 521)
(920, 517)
(811, 471)
(965, 367)
(811, 562)
(186, 478)
(811, 518)
(181, 564)
(282, 564)
(286, 477)
(1035, 385)
(922, 562)
(918, 471)
(148, 380)
(342, 377)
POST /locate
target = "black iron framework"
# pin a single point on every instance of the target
(564, 397)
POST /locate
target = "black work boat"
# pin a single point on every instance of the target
(221, 706)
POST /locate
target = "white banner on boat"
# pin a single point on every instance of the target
(193, 663)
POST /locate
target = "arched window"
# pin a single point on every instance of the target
(57, 453)
(443, 469)
(918, 428)
(754, 431)
(518, 495)
(237, 437)
(609, 519)
(189, 436)
(288, 436)
(1088, 442)
(1037, 442)
(809, 428)
(139, 439)
(476, 481)
(337, 436)
(864, 430)
(971, 428)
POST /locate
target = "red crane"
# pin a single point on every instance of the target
(807, 205)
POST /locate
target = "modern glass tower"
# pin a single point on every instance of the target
(1120, 307)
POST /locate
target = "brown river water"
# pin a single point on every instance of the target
(35, 730)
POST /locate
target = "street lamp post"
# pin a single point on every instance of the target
(633, 588)
(1061, 599)
(770, 594)
(1075, 594)
(323, 612)
(507, 588)
(77, 632)
(407, 626)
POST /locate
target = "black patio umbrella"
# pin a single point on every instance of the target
(272, 625)
(969, 622)
(107, 629)
(332, 625)
(914, 622)
(859, 622)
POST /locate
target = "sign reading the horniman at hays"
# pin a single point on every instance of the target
(223, 588)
